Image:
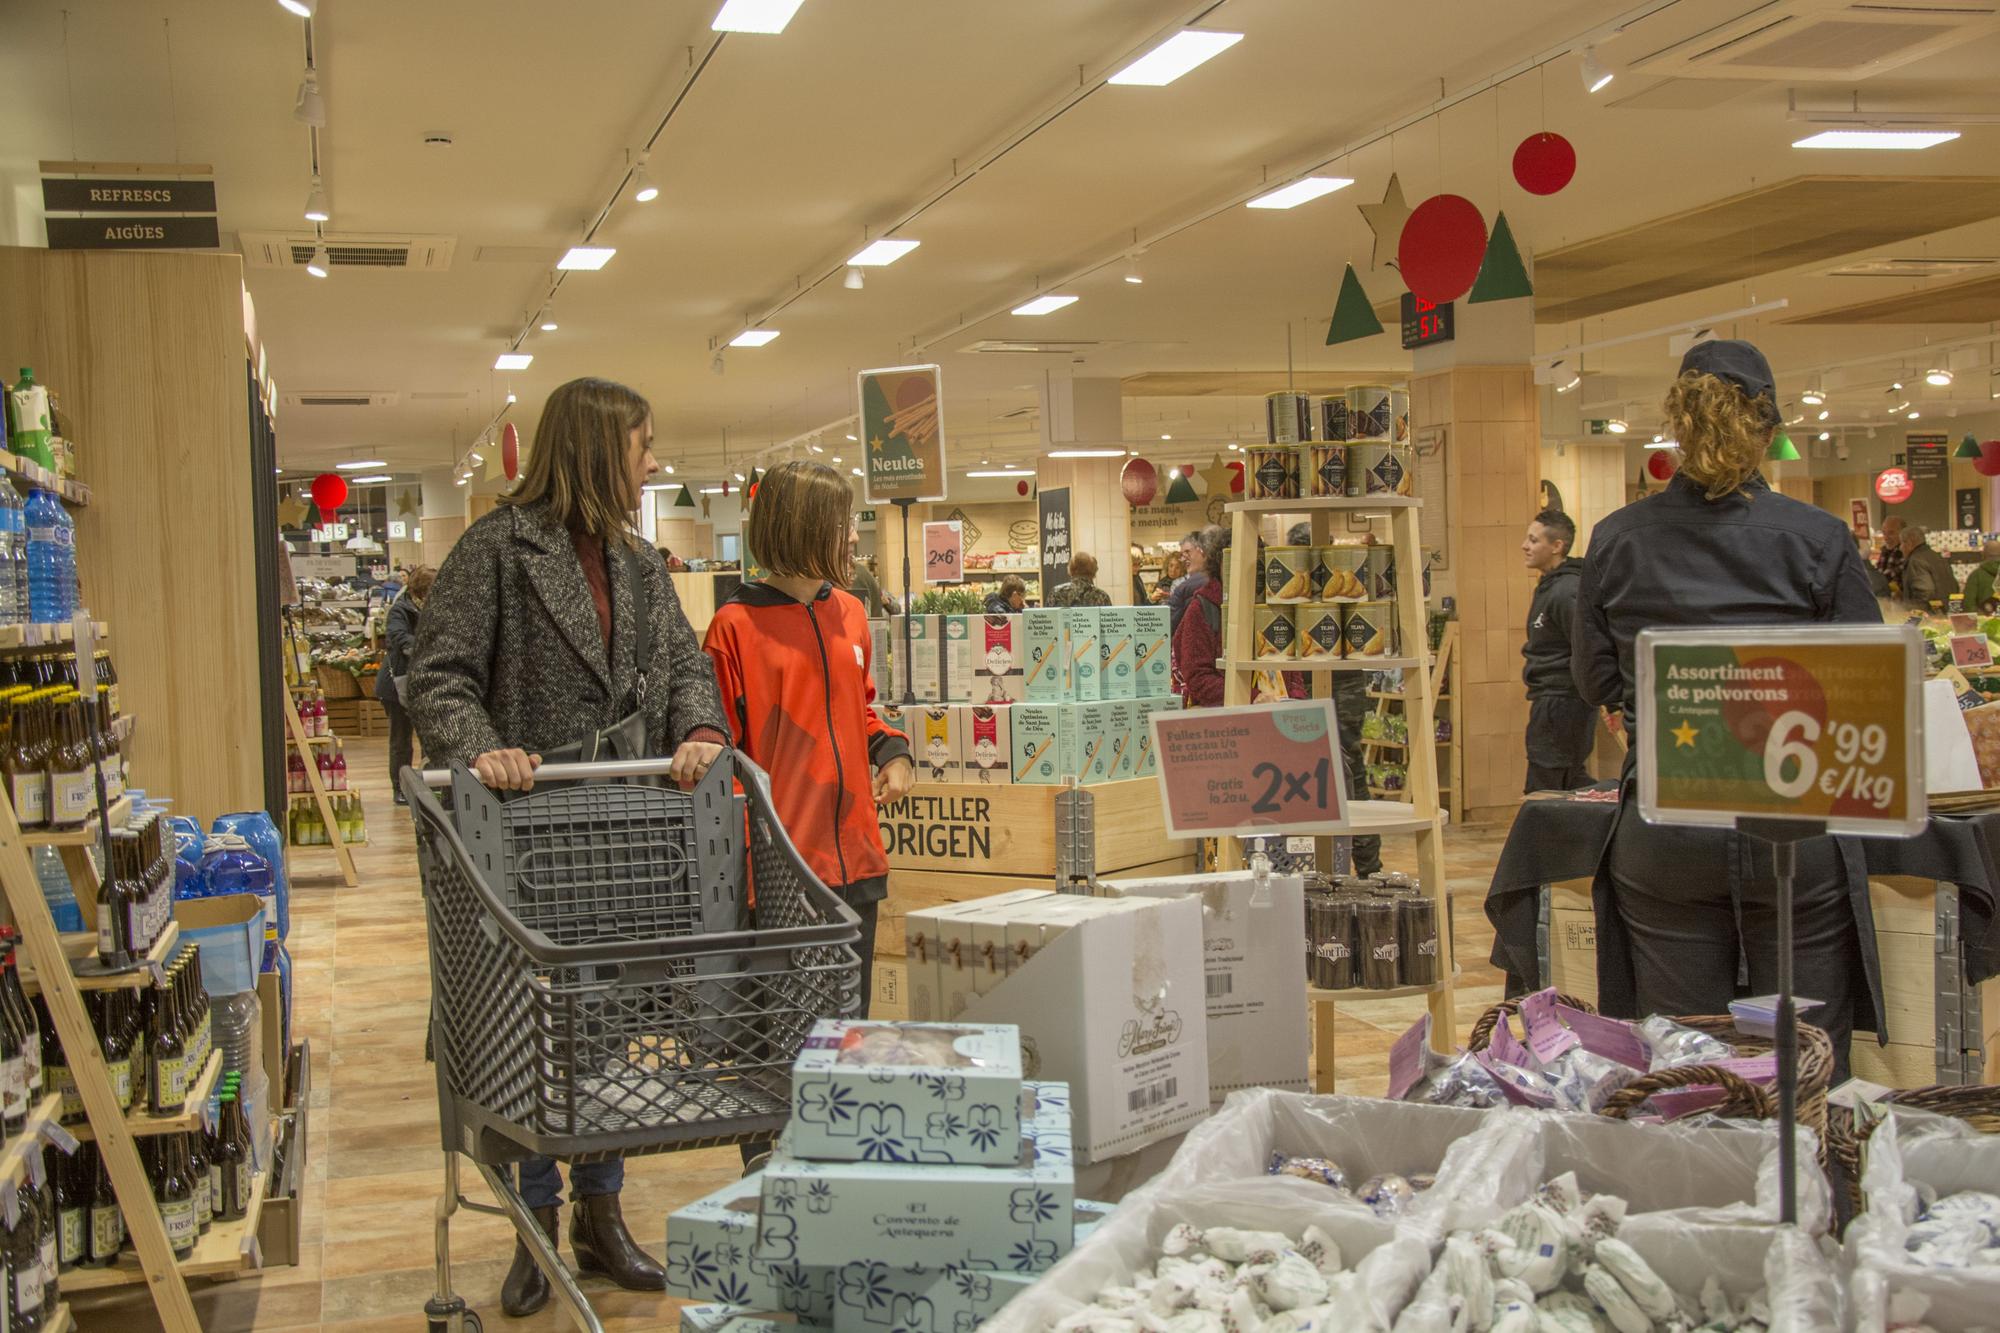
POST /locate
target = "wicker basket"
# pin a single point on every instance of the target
(338, 682)
(1741, 1099)
(1976, 1104)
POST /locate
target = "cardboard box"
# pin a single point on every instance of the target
(907, 1092)
(1117, 652)
(934, 743)
(1085, 651)
(889, 995)
(1094, 742)
(960, 633)
(713, 1254)
(903, 1214)
(1122, 716)
(231, 931)
(1255, 973)
(922, 674)
(986, 743)
(1152, 652)
(1043, 743)
(732, 1319)
(999, 660)
(1116, 1006)
(1045, 653)
(1147, 764)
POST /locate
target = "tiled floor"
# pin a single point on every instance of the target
(361, 986)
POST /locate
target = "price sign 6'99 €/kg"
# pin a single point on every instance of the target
(1255, 769)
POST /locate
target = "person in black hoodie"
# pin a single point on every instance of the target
(1560, 724)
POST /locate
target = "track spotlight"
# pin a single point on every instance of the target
(310, 108)
(316, 210)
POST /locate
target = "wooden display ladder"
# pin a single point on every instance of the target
(1419, 816)
(304, 744)
(1441, 693)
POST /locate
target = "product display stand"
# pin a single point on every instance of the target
(1441, 693)
(304, 744)
(1783, 837)
(1420, 818)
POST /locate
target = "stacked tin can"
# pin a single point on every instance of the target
(1372, 932)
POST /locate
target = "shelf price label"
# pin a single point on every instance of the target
(1822, 724)
(1257, 769)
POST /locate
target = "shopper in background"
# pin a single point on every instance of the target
(861, 584)
(1082, 589)
(1172, 570)
(1350, 706)
(400, 633)
(1010, 598)
(1140, 595)
(1927, 576)
(1979, 583)
(1718, 547)
(1561, 726)
(550, 624)
(1890, 562)
(1194, 555)
(1877, 584)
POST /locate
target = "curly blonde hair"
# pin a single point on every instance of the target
(1723, 432)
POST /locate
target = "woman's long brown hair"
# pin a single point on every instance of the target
(1723, 432)
(577, 465)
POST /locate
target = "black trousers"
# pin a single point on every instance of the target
(402, 744)
(1700, 908)
(1561, 730)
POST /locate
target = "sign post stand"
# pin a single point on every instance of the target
(903, 502)
(1784, 837)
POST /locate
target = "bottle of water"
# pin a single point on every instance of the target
(13, 555)
(57, 889)
(51, 559)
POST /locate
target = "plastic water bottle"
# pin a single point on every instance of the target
(51, 559)
(57, 889)
(13, 556)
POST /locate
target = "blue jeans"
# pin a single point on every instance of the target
(541, 1181)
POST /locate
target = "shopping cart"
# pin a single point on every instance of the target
(601, 984)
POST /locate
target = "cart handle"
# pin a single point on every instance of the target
(608, 768)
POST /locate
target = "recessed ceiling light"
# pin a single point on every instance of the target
(1615, 426)
(586, 258)
(369, 481)
(1595, 75)
(855, 470)
(878, 254)
(1914, 415)
(754, 338)
(319, 265)
(1003, 472)
(1662, 443)
(1908, 140)
(836, 458)
(765, 16)
(513, 361)
(1042, 305)
(1813, 396)
(303, 8)
(1938, 376)
(855, 438)
(1299, 192)
(1174, 57)
(361, 466)
(1824, 414)
(316, 210)
(1086, 453)
(1166, 437)
(667, 468)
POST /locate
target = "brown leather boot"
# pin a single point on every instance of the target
(526, 1289)
(603, 1246)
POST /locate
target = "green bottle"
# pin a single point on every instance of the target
(28, 425)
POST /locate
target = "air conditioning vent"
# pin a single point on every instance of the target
(340, 398)
(431, 254)
(1805, 40)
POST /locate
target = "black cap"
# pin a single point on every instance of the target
(1737, 362)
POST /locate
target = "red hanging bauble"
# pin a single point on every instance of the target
(1441, 248)
(1988, 462)
(1660, 464)
(1235, 476)
(1020, 488)
(1140, 482)
(329, 492)
(510, 451)
(1544, 163)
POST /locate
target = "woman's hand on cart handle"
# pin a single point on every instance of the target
(507, 770)
(893, 779)
(692, 761)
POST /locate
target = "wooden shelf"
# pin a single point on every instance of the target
(1380, 504)
(28, 638)
(75, 492)
(328, 739)
(1387, 744)
(137, 978)
(1398, 694)
(1364, 993)
(298, 796)
(229, 1247)
(1316, 663)
(144, 1122)
(14, 1157)
(61, 1323)
(1387, 817)
(121, 810)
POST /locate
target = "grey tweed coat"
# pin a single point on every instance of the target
(509, 652)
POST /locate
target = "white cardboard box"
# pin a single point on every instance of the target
(1115, 1007)
(986, 744)
(1255, 975)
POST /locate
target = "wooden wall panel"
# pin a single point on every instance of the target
(146, 351)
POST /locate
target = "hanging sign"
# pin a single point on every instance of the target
(1052, 520)
(1927, 457)
(130, 233)
(1822, 724)
(902, 433)
(1425, 321)
(944, 552)
(1967, 509)
(398, 530)
(100, 195)
(1892, 485)
(1254, 769)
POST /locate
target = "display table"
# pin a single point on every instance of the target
(1932, 897)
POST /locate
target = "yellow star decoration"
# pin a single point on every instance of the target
(1386, 220)
(406, 503)
(292, 513)
(1684, 735)
(1216, 478)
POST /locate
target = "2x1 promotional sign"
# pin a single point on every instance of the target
(944, 552)
(1255, 769)
(1823, 724)
(902, 432)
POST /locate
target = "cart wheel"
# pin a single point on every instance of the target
(468, 1323)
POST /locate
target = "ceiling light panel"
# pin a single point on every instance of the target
(1300, 192)
(1043, 305)
(586, 258)
(361, 466)
(765, 16)
(1889, 140)
(370, 481)
(513, 361)
(878, 254)
(754, 338)
(1174, 57)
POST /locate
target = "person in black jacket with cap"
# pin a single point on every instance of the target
(1695, 907)
(1561, 726)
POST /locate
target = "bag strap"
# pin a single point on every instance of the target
(642, 599)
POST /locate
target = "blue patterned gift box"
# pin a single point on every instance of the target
(713, 1254)
(948, 1093)
(731, 1319)
(1014, 1218)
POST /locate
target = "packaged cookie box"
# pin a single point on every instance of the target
(713, 1255)
(722, 1318)
(907, 1092)
(1152, 652)
(1045, 655)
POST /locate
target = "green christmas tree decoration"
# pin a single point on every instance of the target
(1502, 275)
(1353, 316)
(1180, 491)
(1782, 449)
(1967, 448)
(684, 500)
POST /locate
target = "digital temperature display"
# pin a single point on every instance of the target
(1425, 322)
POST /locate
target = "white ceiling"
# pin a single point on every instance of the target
(786, 150)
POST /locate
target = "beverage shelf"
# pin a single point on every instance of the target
(229, 1247)
(82, 948)
(144, 1122)
(18, 638)
(14, 1157)
(328, 739)
(28, 470)
(121, 810)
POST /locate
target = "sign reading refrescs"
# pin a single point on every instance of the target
(944, 552)
(1822, 724)
(902, 433)
(1256, 769)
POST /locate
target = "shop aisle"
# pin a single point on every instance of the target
(362, 982)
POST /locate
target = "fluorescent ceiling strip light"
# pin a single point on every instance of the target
(586, 258)
(1043, 305)
(765, 16)
(1300, 192)
(360, 467)
(1185, 50)
(1086, 453)
(1005, 472)
(369, 481)
(754, 338)
(879, 254)
(1906, 140)
(713, 490)
(513, 360)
